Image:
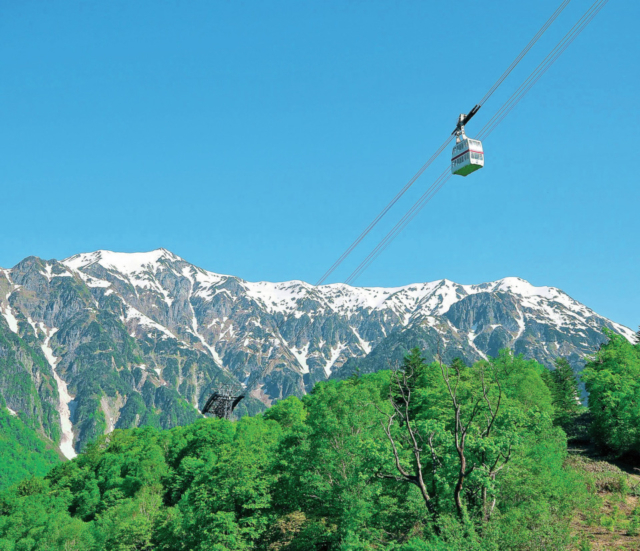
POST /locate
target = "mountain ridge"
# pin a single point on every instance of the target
(142, 338)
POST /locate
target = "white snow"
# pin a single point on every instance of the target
(335, 354)
(194, 328)
(301, 355)
(139, 269)
(628, 333)
(95, 282)
(406, 302)
(12, 412)
(8, 315)
(133, 313)
(278, 297)
(365, 345)
(33, 326)
(66, 442)
(521, 325)
(48, 273)
(471, 338)
(125, 263)
(523, 288)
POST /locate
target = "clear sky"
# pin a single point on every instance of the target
(259, 138)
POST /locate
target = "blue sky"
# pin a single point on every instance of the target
(259, 138)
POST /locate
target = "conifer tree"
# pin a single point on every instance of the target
(565, 394)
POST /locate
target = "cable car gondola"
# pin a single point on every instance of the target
(467, 155)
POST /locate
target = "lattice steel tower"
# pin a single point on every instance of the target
(222, 402)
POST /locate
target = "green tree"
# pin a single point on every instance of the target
(612, 378)
(22, 449)
(287, 413)
(337, 470)
(454, 429)
(565, 396)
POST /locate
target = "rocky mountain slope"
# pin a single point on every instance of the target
(109, 340)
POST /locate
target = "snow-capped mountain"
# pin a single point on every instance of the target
(109, 340)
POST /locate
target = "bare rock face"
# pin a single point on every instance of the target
(110, 340)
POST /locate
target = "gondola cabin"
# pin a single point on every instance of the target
(467, 156)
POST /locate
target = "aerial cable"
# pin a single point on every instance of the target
(517, 60)
(502, 112)
(542, 68)
(383, 212)
(488, 128)
(493, 88)
(444, 177)
(409, 215)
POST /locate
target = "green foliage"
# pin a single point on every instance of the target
(565, 396)
(22, 451)
(320, 473)
(612, 378)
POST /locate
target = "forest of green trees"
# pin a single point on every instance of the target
(429, 457)
(23, 452)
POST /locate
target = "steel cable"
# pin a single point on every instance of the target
(532, 42)
(506, 108)
(446, 175)
(383, 212)
(493, 88)
(542, 68)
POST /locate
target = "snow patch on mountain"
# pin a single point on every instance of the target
(66, 441)
(48, 272)
(278, 297)
(8, 315)
(365, 345)
(471, 338)
(141, 319)
(301, 355)
(237, 319)
(335, 354)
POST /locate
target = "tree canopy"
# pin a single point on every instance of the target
(23, 451)
(612, 378)
(427, 457)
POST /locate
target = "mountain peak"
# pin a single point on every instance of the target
(522, 287)
(126, 263)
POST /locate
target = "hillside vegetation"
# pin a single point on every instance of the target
(430, 457)
(22, 450)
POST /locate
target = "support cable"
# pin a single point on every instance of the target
(517, 60)
(384, 211)
(446, 175)
(500, 115)
(542, 68)
(493, 88)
